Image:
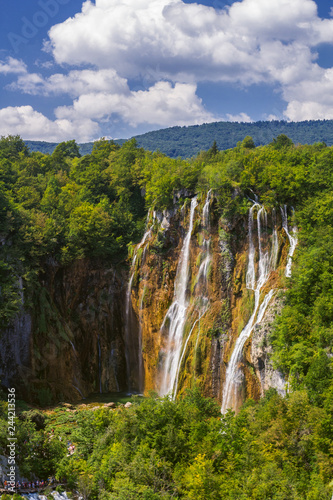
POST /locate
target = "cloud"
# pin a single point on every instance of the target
(162, 104)
(312, 98)
(167, 47)
(30, 124)
(308, 110)
(75, 83)
(12, 65)
(241, 117)
(190, 42)
(250, 42)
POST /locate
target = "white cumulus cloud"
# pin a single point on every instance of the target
(30, 124)
(162, 105)
(12, 65)
(75, 83)
(252, 41)
(168, 47)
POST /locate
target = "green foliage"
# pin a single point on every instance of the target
(63, 207)
(36, 417)
(276, 449)
(5, 496)
(10, 299)
(248, 142)
(12, 147)
(282, 141)
(186, 142)
(64, 150)
(44, 397)
(303, 337)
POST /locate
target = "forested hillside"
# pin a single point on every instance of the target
(189, 141)
(60, 209)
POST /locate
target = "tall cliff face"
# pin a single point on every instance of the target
(173, 322)
(202, 292)
(217, 304)
(71, 340)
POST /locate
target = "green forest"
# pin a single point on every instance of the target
(189, 141)
(64, 206)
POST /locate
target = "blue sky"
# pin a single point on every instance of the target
(117, 68)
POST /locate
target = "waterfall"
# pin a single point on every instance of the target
(204, 266)
(275, 243)
(255, 280)
(176, 314)
(132, 357)
(73, 347)
(205, 212)
(292, 239)
(78, 390)
(201, 289)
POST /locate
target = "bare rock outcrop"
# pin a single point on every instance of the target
(261, 350)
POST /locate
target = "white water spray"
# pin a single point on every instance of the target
(204, 266)
(176, 314)
(205, 212)
(234, 375)
(201, 289)
(292, 239)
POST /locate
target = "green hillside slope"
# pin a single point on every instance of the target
(188, 141)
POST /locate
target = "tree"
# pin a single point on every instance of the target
(248, 142)
(67, 149)
(11, 147)
(213, 150)
(282, 141)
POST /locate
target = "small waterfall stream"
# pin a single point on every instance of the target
(176, 315)
(255, 280)
(292, 239)
(205, 212)
(78, 390)
(204, 266)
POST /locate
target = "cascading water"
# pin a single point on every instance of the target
(176, 314)
(266, 253)
(201, 289)
(182, 356)
(204, 266)
(292, 239)
(134, 356)
(275, 245)
(78, 390)
(205, 212)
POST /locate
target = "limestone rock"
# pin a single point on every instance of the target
(110, 405)
(261, 350)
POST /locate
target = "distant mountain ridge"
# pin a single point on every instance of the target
(189, 141)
